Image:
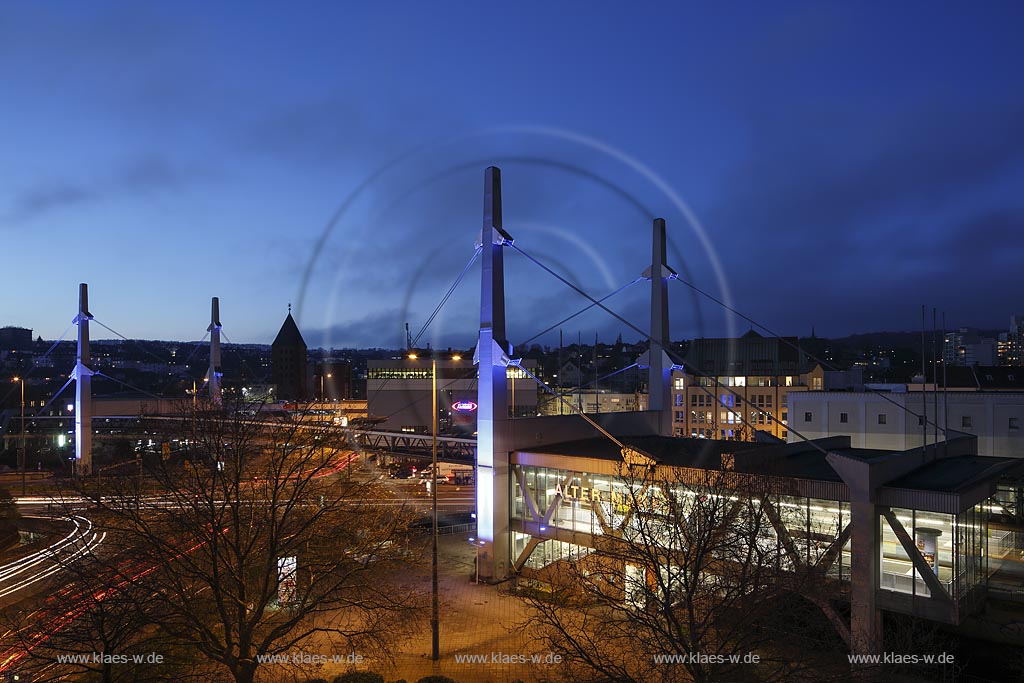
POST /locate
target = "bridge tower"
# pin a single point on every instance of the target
(83, 386)
(659, 366)
(214, 374)
(492, 355)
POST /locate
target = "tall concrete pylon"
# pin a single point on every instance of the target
(83, 387)
(659, 367)
(214, 374)
(492, 356)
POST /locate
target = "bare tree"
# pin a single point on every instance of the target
(253, 540)
(684, 584)
(97, 625)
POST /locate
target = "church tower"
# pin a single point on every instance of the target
(288, 362)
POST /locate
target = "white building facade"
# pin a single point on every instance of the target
(904, 420)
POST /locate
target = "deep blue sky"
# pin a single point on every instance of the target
(847, 162)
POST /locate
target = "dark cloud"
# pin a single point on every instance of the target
(857, 219)
(139, 176)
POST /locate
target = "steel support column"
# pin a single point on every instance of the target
(659, 367)
(492, 351)
(83, 387)
(214, 374)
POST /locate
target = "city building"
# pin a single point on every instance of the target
(288, 362)
(906, 531)
(334, 380)
(15, 339)
(399, 392)
(967, 347)
(1010, 346)
(901, 419)
(590, 401)
(728, 388)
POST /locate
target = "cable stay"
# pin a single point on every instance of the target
(654, 343)
(125, 384)
(796, 347)
(437, 309)
(55, 397)
(573, 408)
(36, 362)
(579, 312)
(444, 299)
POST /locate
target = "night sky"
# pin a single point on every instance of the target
(826, 165)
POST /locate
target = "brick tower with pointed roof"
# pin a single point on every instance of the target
(288, 362)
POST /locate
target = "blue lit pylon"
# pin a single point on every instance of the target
(83, 386)
(492, 355)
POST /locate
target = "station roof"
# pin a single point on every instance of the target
(956, 474)
(802, 460)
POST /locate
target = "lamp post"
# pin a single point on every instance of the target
(435, 617)
(435, 609)
(322, 385)
(21, 448)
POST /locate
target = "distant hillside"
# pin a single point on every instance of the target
(898, 340)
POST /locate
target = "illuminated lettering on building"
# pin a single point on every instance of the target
(464, 406)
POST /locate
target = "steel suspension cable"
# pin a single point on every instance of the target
(579, 312)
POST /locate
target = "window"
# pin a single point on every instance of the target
(882, 418)
(966, 422)
(677, 383)
(679, 399)
(816, 383)
(1014, 423)
(693, 400)
(844, 417)
(920, 420)
(807, 417)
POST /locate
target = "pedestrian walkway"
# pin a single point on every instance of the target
(479, 639)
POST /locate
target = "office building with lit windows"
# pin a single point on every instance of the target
(398, 392)
(728, 388)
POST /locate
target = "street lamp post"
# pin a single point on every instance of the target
(322, 385)
(435, 616)
(21, 448)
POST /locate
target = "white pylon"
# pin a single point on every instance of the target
(83, 387)
(214, 373)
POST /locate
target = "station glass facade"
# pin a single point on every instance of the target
(575, 507)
